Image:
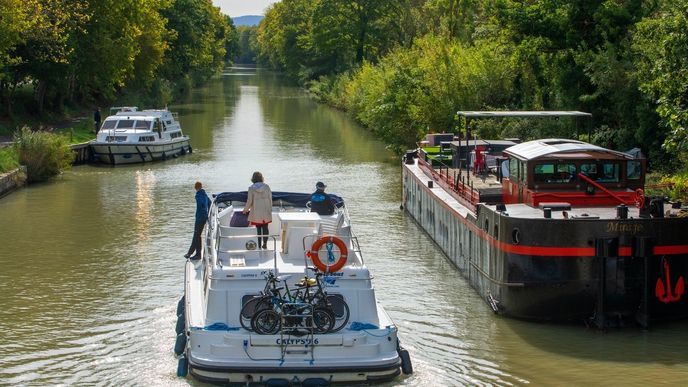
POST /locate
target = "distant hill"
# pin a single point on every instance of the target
(248, 20)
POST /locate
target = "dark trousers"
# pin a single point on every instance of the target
(195, 248)
(262, 230)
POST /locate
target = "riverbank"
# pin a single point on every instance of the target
(12, 180)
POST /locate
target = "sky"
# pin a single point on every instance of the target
(236, 8)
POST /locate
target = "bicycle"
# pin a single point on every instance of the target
(319, 297)
(291, 309)
(259, 302)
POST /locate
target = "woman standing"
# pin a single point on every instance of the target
(259, 207)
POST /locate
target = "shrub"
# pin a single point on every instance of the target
(678, 186)
(44, 154)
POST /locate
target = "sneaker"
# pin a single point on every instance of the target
(265, 246)
(187, 255)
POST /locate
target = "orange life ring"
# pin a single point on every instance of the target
(343, 252)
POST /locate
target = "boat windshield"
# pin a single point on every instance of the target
(110, 124)
(554, 173)
(125, 124)
(605, 172)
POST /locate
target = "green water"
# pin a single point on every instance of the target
(91, 263)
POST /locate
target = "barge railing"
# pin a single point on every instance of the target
(458, 186)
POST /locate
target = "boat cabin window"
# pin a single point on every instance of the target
(125, 124)
(633, 170)
(603, 172)
(554, 173)
(513, 169)
(109, 124)
(518, 170)
(524, 171)
(142, 125)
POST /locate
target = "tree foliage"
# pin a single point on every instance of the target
(89, 50)
(248, 44)
(402, 67)
(661, 43)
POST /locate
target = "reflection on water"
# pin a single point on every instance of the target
(92, 262)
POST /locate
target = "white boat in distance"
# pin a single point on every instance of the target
(268, 317)
(136, 136)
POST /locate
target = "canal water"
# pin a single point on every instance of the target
(91, 263)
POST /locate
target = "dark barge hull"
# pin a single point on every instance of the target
(607, 271)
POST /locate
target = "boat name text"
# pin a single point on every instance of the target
(296, 341)
(625, 228)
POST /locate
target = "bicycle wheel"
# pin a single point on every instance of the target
(323, 320)
(250, 308)
(339, 308)
(266, 322)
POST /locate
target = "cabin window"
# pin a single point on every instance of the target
(554, 173)
(605, 172)
(513, 169)
(524, 172)
(125, 124)
(142, 125)
(146, 138)
(633, 170)
(109, 124)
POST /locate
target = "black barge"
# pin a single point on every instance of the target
(555, 230)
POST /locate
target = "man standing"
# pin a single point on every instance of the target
(320, 201)
(96, 118)
(202, 208)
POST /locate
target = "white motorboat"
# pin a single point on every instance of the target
(316, 325)
(136, 136)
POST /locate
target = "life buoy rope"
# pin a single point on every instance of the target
(329, 241)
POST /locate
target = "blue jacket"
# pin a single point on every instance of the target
(322, 203)
(202, 206)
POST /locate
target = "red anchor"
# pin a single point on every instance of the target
(666, 296)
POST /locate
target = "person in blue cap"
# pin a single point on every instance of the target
(320, 201)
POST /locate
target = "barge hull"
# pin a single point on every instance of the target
(556, 269)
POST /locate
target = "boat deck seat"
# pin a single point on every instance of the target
(330, 224)
(235, 238)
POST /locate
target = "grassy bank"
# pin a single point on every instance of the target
(8, 160)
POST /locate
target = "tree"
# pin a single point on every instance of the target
(198, 38)
(123, 42)
(14, 25)
(248, 44)
(351, 31)
(661, 45)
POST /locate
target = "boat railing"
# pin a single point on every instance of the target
(456, 182)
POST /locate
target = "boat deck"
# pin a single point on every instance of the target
(488, 186)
